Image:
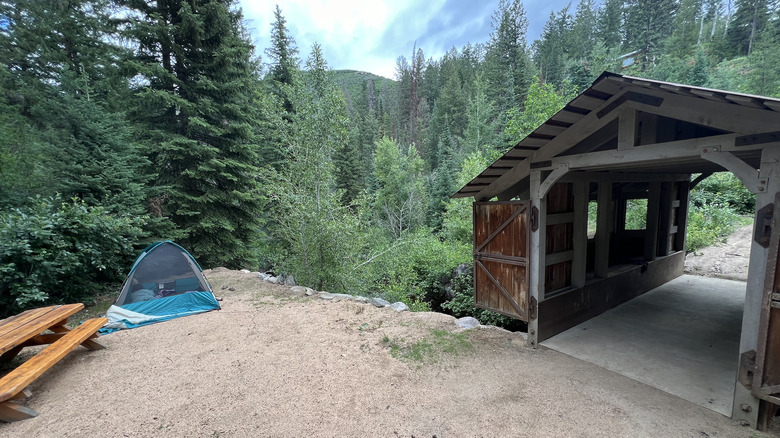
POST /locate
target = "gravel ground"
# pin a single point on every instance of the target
(281, 364)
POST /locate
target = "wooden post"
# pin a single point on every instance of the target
(536, 261)
(665, 219)
(745, 404)
(580, 237)
(651, 224)
(682, 216)
(603, 229)
(626, 129)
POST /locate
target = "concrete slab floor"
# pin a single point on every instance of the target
(682, 338)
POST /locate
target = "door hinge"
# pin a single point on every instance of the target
(534, 218)
(747, 368)
(532, 309)
(764, 225)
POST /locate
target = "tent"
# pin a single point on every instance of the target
(165, 282)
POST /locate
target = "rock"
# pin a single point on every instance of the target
(246, 271)
(326, 296)
(232, 289)
(467, 322)
(224, 286)
(360, 299)
(344, 296)
(290, 281)
(379, 302)
(399, 307)
(298, 289)
(271, 279)
(309, 291)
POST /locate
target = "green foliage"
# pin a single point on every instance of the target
(716, 205)
(401, 197)
(414, 270)
(200, 117)
(543, 101)
(457, 224)
(710, 224)
(636, 214)
(58, 252)
(724, 189)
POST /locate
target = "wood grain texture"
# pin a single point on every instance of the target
(18, 379)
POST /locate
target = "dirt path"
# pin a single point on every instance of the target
(729, 260)
(275, 363)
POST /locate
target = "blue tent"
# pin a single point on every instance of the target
(165, 282)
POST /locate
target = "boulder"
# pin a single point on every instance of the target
(246, 271)
(379, 302)
(399, 307)
(290, 281)
(298, 289)
(467, 322)
(326, 296)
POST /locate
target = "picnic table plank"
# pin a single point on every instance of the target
(22, 376)
(16, 330)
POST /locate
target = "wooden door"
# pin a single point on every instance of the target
(766, 379)
(501, 237)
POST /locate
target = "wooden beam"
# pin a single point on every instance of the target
(580, 235)
(623, 177)
(603, 230)
(665, 219)
(651, 225)
(662, 152)
(626, 129)
(714, 114)
(745, 172)
(551, 179)
(682, 218)
(581, 128)
(536, 260)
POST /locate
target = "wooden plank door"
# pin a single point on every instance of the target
(766, 379)
(501, 236)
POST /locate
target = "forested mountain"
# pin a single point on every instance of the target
(127, 121)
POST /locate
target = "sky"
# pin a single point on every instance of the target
(369, 35)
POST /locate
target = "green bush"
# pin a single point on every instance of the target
(415, 271)
(59, 252)
(725, 189)
(710, 224)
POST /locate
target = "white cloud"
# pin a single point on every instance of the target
(369, 35)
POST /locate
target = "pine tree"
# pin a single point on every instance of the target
(748, 23)
(583, 31)
(283, 57)
(63, 79)
(200, 117)
(443, 181)
(506, 61)
(609, 25)
(647, 24)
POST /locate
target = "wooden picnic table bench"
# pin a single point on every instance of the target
(30, 328)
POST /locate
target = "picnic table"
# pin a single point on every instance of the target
(42, 326)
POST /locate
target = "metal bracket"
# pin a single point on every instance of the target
(747, 368)
(534, 218)
(532, 311)
(764, 225)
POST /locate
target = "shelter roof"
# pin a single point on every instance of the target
(686, 120)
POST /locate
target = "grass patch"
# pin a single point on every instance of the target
(431, 348)
(94, 310)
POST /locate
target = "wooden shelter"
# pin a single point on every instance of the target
(624, 141)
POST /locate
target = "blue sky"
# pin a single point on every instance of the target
(370, 35)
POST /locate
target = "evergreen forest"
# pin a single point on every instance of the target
(124, 122)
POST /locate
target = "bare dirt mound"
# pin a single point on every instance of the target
(729, 260)
(277, 363)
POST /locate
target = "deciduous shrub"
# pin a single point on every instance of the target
(55, 252)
